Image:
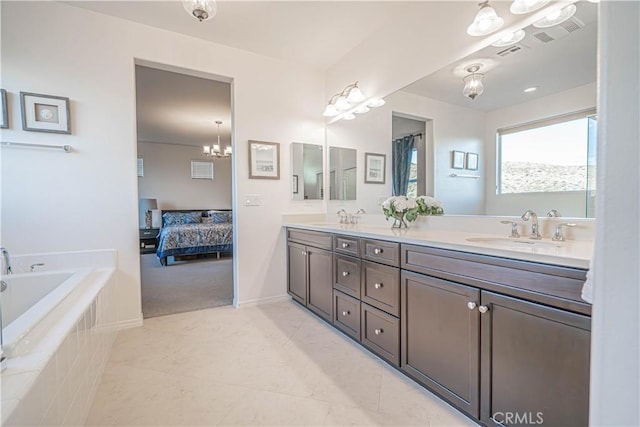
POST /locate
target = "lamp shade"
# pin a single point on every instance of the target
(148, 204)
(486, 21)
(145, 206)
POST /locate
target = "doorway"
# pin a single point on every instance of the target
(184, 190)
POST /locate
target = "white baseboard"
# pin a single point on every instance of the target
(260, 301)
(129, 323)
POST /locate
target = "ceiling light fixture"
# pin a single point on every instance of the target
(509, 38)
(351, 100)
(556, 17)
(486, 21)
(202, 10)
(214, 151)
(473, 82)
(519, 7)
(530, 89)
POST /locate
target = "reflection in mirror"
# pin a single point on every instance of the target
(342, 173)
(560, 63)
(306, 169)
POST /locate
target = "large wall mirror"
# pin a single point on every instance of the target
(307, 178)
(343, 173)
(526, 142)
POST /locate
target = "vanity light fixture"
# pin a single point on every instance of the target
(214, 151)
(473, 82)
(202, 10)
(486, 21)
(509, 38)
(351, 100)
(556, 17)
(519, 7)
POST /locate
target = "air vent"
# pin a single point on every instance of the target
(509, 51)
(559, 31)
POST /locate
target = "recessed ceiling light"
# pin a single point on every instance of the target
(530, 89)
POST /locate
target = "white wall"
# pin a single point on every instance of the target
(88, 199)
(615, 338)
(167, 178)
(568, 203)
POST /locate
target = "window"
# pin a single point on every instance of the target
(201, 170)
(545, 156)
(140, 166)
(412, 190)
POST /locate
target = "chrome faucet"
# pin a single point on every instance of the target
(553, 213)
(535, 234)
(7, 261)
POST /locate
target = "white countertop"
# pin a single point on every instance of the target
(570, 253)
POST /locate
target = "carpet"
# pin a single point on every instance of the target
(184, 286)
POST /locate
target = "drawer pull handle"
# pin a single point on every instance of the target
(378, 331)
(346, 313)
(304, 253)
(378, 285)
(345, 273)
(377, 251)
(471, 305)
(483, 309)
(345, 245)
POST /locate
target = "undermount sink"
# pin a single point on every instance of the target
(514, 243)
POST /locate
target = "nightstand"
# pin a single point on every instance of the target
(148, 240)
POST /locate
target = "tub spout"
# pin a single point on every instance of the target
(7, 261)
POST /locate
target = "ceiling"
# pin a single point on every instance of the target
(568, 61)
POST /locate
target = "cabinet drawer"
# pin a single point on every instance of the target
(381, 287)
(346, 315)
(347, 275)
(312, 238)
(347, 245)
(381, 251)
(148, 233)
(381, 333)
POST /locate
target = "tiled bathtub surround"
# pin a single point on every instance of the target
(55, 382)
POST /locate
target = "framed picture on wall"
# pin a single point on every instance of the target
(472, 161)
(374, 168)
(4, 114)
(457, 159)
(294, 184)
(264, 160)
(45, 113)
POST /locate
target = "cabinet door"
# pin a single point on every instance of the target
(297, 280)
(535, 364)
(440, 339)
(320, 297)
(347, 275)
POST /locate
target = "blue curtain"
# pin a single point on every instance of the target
(402, 151)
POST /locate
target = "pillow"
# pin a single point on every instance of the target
(220, 216)
(207, 220)
(179, 218)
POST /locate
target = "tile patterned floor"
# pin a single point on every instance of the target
(270, 365)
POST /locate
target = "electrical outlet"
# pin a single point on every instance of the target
(252, 200)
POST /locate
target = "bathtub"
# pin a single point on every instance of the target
(28, 299)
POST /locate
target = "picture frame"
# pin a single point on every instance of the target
(4, 114)
(472, 161)
(375, 168)
(457, 159)
(45, 113)
(294, 184)
(264, 160)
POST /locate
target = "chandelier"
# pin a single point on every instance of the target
(214, 150)
(473, 82)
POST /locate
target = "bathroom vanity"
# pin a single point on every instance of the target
(501, 334)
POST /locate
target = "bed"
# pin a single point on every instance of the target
(194, 232)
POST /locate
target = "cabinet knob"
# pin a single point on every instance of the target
(346, 313)
(471, 305)
(378, 331)
(377, 251)
(483, 309)
(304, 253)
(377, 285)
(345, 245)
(345, 273)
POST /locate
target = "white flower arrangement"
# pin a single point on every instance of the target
(403, 207)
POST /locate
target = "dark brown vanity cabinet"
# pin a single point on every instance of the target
(534, 363)
(441, 338)
(310, 262)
